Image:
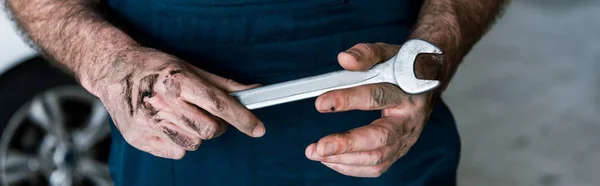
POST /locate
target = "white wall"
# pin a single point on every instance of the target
(12, 48)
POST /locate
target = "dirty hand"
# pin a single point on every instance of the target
(165, 107)
(370, 150)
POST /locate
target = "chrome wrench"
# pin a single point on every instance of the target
(399, 70)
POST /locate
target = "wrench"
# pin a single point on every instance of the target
(399, 70)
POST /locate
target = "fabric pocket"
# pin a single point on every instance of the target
(239, 8)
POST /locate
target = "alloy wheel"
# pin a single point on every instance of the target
(60, 138)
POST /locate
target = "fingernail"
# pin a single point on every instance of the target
(311, 152)
(325, 104)
(308, 153)
(330, 148)
(259, 130)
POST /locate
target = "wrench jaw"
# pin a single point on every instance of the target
(404, 66)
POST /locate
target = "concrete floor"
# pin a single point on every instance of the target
(527, 98)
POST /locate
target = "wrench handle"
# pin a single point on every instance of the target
(301, 88)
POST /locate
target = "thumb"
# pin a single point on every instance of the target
(363, 56)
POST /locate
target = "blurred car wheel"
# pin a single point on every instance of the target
(53, 131)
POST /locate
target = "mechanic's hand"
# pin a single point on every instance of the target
(165, 107)
(370, 150)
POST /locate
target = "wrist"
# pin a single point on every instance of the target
(93, 49)
(106, 68)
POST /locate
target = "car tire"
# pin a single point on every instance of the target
(53, 131)
(24, 81)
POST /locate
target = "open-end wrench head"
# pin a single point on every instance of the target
(404, 66)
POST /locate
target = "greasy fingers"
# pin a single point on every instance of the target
(220, 104)
(359, 164)
(361, 158)
(365, 138)
(363, 56)
(164, 106)
(365, 97)
(168, 106)
(179, 136)
(199, 122)
(222, 126)
(206, 93)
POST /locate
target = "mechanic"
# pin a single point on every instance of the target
(164, 70)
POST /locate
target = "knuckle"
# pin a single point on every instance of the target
(363, 45)
(221, 131)
(208, 131)
(383, 135)
(379, 157)
(368, 47)
(195, 144)
(338, 99)
(392, 153)
(378, 96)
(373, 159)
(218, 104)
(230, 82)
(374, 54)
(344, 100)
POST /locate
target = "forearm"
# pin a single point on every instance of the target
(72, 34)
(455, 26)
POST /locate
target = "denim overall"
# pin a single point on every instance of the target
(270, 41)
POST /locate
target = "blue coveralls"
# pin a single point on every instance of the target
(270, 41)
